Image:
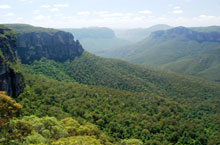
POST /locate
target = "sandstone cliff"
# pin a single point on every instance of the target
(11, 79)
(58, 46)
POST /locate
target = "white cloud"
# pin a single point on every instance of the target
(45, 6)
(10, 14)
(115, 15)
(177, 7)
(26, 1)
(61, 5)
(145, 12)
(206, 16)
(36, 12)
(54, 9)
(83, 13)
(59, 15)
(5, 6)
(177, 11)
(101, 12)
(19, 18)
(42, 17)
(170, 5)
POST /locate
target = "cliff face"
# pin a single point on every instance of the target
(11, 80)
(58, 46)
(187, 33)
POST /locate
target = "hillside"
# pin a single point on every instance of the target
(138, 34)
(128, 103)
(97, 40)
(179, 49)
(206, 29)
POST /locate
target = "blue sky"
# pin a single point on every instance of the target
(110, 13)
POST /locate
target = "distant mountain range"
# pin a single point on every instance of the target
(97, 40)
(138, 34)
(179, 49)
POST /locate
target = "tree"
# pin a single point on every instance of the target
(8, 108)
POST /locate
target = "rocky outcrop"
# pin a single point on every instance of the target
(58, 46)
(188, 34)
(11, 79)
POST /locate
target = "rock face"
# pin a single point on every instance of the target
(11, 80)
(58, 46)
(187, 33)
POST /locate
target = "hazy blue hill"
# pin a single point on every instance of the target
(207, 29)
(138, 34)
(97, 40)
(91, 32)
(179, 49)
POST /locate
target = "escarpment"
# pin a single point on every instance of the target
(11, 79)
(59, 46)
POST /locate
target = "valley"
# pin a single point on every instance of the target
(75, 96)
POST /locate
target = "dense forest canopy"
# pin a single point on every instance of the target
(89, 100)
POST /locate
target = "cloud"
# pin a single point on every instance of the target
(101, 12)
(36, 12)
(177, 7)
(145, 12)
(42, 17)
(25, 0)
(177, 11)
(54, 9)
(108, 15)
(10, 14)
(19, 18)
(61, 5)
(59, 15)
(45, 6)
(170, 5)
(206, 16)
(83, 13)
(115, 15)
(5, 6)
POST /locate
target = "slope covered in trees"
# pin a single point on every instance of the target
(124, 114)
(180, 49)
(92, 100)
(93, 70)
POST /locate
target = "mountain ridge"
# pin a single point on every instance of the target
(194, 52)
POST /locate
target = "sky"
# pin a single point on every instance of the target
(121, 14)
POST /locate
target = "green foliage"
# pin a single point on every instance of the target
(131, 142)
(15, 131)
(48, 127)
(25, 28)
(78, 140)
(93, 70)
(48, 68)
(177, 52)
(35, 138)
(147, 117)
(8, 108)
(74, 128)
(117, 103)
